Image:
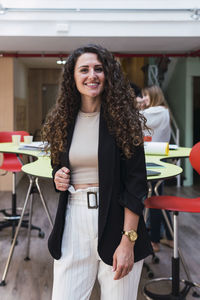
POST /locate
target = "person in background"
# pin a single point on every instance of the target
(152, 106)
(96, 142)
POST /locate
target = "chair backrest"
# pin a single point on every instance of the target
(195, 157)
(10, 161)
(6, 136)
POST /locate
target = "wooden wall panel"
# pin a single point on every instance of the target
(20, 114)
(6, 94)
(6, 108)
(133, 68)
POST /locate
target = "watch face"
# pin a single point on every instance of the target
(133, 236)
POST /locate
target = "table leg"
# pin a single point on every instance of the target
(29, 228)
(3, 283)
(44, 203)
(146, 211)
(33, 180)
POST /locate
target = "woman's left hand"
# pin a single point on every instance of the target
(123, 258)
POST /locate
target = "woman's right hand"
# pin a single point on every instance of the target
(62, 179)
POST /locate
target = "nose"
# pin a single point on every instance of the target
(92, 73)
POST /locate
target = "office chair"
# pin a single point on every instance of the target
(176, 205)
(11, 163)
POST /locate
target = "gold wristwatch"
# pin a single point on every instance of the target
(131, 234)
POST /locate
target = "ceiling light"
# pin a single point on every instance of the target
(2, 10)
(61, 61)
(195, 14)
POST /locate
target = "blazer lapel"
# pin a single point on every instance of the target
(106, 159)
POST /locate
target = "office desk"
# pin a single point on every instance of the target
(45, 170)
(42, 167)
(44, 161)
(169, 170)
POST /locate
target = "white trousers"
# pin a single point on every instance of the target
(79, 266)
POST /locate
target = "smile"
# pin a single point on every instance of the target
(92, 84)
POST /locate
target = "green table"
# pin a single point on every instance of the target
(42, 167)
(169, 170)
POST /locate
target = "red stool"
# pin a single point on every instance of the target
(175, 204)
(12, 163)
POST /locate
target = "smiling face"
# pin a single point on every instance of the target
(146, 99)
(89, 76)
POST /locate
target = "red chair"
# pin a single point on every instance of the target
(176, 204)
(11, 163)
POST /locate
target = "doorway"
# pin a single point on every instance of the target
(49, 92)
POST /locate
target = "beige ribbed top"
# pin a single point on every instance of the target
(83, 154)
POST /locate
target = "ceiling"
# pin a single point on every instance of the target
(61, 45)
(116, 44)
(133, 27)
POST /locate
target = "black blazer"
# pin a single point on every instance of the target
(122, 183)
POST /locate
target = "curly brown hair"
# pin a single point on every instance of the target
(117, 100)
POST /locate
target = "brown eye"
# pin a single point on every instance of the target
(84, 70)
(99, 69)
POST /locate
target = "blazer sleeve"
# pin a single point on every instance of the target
(55, 169)
(134, 181)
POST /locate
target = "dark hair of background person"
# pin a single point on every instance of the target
(123, 119)
(137, 89)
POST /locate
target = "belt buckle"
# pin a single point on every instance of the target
(88, 200)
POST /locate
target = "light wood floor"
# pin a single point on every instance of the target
(33, 279)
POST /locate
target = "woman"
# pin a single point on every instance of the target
(154, 109)
(98, 163)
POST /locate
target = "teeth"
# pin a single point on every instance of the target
(92, 84)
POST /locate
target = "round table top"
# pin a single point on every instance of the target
(42, 166)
